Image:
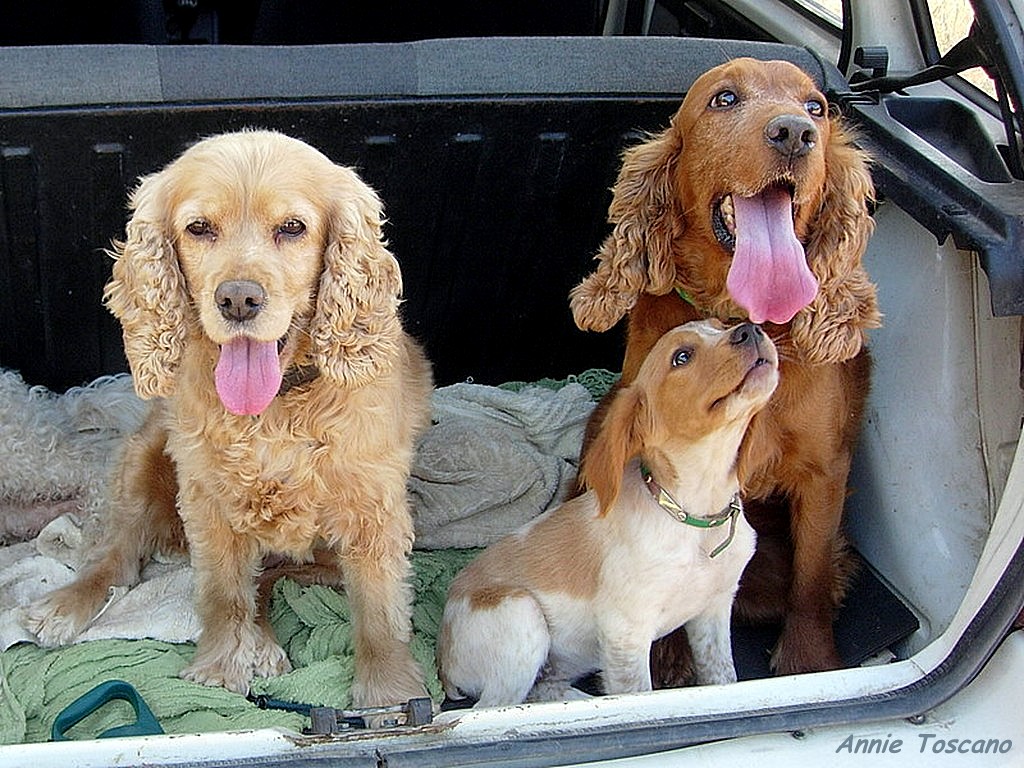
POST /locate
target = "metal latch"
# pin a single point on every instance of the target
(327, 720)
(417, 711)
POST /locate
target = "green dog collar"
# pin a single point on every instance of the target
(665, 500)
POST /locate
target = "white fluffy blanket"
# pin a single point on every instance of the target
(55, 449)
(491, 460)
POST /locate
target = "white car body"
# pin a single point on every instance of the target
(938, 511)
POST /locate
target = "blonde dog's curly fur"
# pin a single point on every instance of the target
(321, 470)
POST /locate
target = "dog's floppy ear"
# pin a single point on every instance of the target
(831, 329)
(147, 291)
(356, 333)
(637, 256)
(619, 438)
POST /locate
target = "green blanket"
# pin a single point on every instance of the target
(312, 625)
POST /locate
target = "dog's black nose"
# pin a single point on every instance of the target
(792, 135)
(239, 300)
(746, 333)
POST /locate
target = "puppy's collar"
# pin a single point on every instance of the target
(688, 298)
(665, 500)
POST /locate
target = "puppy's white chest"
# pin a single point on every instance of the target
(675, 577)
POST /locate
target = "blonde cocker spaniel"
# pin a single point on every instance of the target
(259, 306)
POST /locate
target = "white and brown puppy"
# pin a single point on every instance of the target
(658, 542)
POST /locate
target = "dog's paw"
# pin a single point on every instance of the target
(270, 660)
(805, 648)
(721, 672)
(234, 663)
(56, 619)
(218, 673)
(391, 680)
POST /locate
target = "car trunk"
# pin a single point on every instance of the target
(494, 159)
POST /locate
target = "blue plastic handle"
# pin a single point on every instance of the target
(145, 723)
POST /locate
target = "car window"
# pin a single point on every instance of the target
(951, 20)
(829, 10)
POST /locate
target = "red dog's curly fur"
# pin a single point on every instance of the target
(665, 243)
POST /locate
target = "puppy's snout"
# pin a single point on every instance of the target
(240, 300)
(746, 334)
(791, 135)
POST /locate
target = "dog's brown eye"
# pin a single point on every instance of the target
(199, 228)
(291, 228)
(724, 99)
(682, 356)
(815, 108)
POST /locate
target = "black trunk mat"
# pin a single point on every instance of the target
(871, 620)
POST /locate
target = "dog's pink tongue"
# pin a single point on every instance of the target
(248, 375)
(769, 276)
